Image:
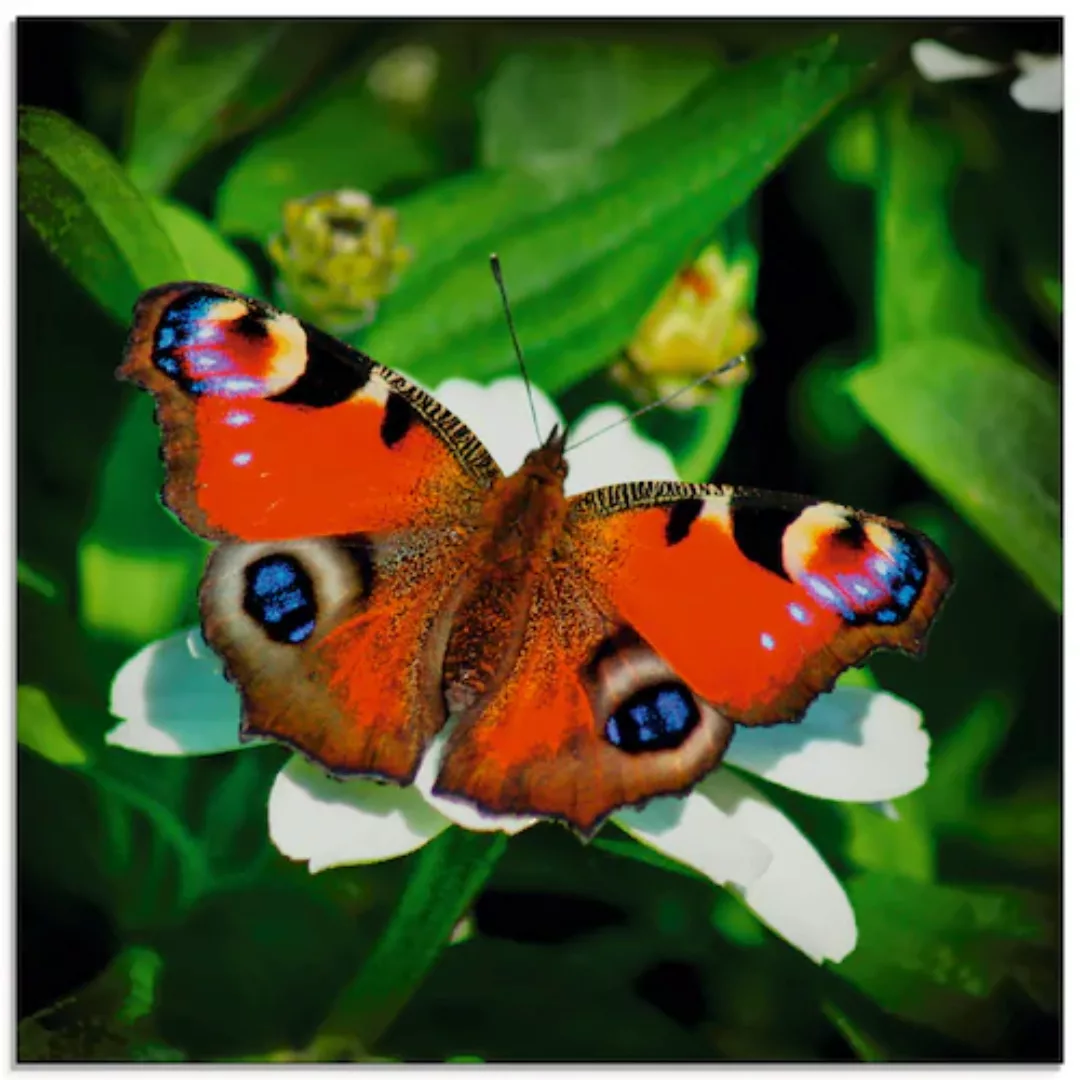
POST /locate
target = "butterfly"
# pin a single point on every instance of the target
(378, 579)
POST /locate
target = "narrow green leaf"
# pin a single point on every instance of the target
(986, 432)
(209, 80)
(31, 579)
(898, 841)
(88, 213)
(587, 250)
(447, 875)
(573, 97)
(341, 138)
(860, 1041)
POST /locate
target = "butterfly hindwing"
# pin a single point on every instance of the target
(274, 430)
(589, 718)
(336, 644)
(759, 601)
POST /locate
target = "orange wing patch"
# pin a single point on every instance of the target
(548, 741)
(274, 430)
(757, 601)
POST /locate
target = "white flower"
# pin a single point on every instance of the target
(1039, 87)
(854, 744)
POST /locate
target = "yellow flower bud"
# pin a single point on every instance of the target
(337, 256)
(701, 320)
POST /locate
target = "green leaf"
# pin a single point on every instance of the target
(985, 431)
(447, 875)
(341, 138)
(900, 844)
(41, 729)
(209, 80)
(88, 213)
(586, 249)
(577, 96)
(31, 579)
(194, 69)
(138, 567)
(207, 255)
(941, 955)
(925, 287)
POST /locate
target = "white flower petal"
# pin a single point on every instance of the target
(1041, 87)
(695, 831)
(797, 895)
(173, 699)
(853, 745)
(939, 63)
(499, 416)
(328, 822)
(462, 813)
(616, 457)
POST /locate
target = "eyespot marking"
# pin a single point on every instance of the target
(279, 595)
(658, 717)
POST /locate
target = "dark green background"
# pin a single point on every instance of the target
(908, 243)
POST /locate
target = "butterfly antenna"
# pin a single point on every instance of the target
(737, 361)
(496, 270)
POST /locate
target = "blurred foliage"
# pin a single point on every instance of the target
(907, 251)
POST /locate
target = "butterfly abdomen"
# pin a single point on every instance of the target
(521, 525)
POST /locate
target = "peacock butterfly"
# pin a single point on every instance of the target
(377, 576)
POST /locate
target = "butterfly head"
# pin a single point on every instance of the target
(547, 463)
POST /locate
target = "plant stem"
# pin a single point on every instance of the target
(448, 874)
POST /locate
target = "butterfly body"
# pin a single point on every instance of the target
(381, 589)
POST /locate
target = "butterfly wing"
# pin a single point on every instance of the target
(342, 493)
(547, 742)
(274, 430)
(676, 611)
(758, 600)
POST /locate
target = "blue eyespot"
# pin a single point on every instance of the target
(655, 718)
(280, 596)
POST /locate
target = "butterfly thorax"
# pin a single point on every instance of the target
(522, 522)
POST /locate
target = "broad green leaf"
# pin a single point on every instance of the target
(586, 252)
(986, 432)
(341, 138)
(925, 286)
(41, 729)
(89, 214)
(138, 567)
(208, 80)
(194, 69)
(577, 96)
(206, 254)
(930, 952)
